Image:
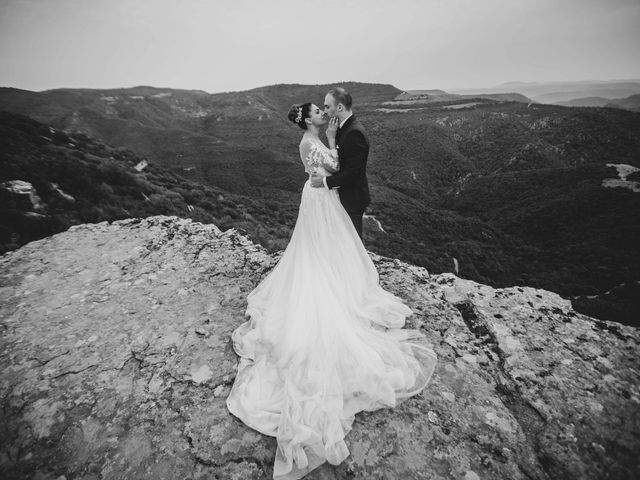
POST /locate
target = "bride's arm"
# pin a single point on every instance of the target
(315, 154)
(328, 157)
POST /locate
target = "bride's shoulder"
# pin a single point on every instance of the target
(308, 142)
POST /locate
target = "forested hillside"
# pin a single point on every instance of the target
(513, 191)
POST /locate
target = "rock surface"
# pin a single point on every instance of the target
(116, 362)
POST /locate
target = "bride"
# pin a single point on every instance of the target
(324, 340)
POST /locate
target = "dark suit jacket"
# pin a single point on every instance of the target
(353, 153)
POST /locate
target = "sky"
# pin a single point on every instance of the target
(232, 45)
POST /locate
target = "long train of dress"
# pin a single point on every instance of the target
(324, 341)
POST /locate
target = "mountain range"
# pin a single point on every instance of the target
(563, 93)
(501, 189)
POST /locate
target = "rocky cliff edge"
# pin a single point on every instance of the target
(116, 362)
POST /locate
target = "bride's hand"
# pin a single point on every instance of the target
(332, 128)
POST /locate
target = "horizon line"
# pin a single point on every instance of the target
(450, 89)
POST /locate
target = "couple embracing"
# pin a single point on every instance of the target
(324, 341)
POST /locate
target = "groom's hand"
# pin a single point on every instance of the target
(316, 181)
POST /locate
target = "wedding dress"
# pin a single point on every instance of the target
(324, 340)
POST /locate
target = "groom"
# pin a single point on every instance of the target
(353, 152)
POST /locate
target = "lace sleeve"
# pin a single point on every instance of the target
(314, 155)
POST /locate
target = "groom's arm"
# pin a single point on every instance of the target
(353, 160)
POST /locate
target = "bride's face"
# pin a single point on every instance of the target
(316, 116)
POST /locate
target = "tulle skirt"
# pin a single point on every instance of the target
(324, 341)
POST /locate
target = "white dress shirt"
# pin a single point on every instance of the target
(324, 179)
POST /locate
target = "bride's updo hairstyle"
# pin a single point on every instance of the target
(298, 114)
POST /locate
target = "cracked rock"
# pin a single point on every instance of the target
(116, 362)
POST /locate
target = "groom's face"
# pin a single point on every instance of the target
(330, 106)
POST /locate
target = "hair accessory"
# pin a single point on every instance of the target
(299, 117)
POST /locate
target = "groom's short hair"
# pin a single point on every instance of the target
(341, 96)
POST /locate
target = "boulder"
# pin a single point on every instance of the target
(21, 194)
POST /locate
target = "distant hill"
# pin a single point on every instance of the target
(416, 97)
(517, 84)
(284, 95)
(629, 103)
(606, 92)
(461, 178)
(556, 92)
(585, 102)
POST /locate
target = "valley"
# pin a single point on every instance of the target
(509, 188)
